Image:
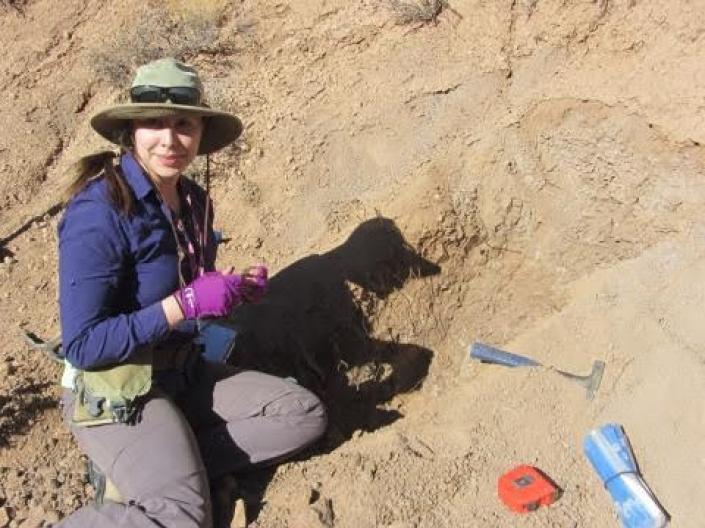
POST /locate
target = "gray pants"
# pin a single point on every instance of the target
(220, 421)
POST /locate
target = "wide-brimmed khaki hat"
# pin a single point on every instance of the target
(168, 87)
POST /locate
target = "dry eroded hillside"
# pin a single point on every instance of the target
(537, 167)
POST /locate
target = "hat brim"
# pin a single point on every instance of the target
(221, 128)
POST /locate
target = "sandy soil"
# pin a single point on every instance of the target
(524, 173)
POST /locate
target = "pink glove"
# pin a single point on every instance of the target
(210, 295)
(254, 283)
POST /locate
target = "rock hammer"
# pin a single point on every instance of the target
(489, 354)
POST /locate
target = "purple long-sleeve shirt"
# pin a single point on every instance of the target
(115, 269)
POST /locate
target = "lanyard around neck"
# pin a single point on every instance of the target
(197, 243)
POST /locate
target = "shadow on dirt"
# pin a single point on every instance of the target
(315, 325)
(19, 409)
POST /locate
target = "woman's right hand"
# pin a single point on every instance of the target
(254, 283)
(213, 294)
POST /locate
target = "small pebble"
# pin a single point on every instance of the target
(52, 516)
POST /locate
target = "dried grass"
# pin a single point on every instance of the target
(159, 31)
(17, 5)
(417, 11)
(188, 9)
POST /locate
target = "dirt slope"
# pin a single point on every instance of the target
(537, 167)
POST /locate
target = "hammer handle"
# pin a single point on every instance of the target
(490, 354)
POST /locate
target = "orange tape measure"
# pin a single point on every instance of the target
(525, 488)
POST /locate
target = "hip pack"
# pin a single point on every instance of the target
(112, 395)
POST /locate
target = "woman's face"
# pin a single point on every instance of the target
(167, 145)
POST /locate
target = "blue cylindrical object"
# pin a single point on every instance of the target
(490, 354)
(608, 450)
(610, 454)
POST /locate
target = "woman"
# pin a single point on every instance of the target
(137, 277)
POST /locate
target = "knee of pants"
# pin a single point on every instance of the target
(306, 410)
(155, 511)
(173, 500)
(186, 509)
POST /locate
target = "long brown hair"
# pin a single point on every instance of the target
(103, 164)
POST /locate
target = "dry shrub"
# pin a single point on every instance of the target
(417, 11)
(188, 9)
(17, 5)
(158, 31)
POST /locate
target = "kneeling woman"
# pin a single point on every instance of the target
(137, 277)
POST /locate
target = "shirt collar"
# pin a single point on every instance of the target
(135, 176)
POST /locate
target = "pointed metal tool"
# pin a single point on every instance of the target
(496, 356)
(591, 382)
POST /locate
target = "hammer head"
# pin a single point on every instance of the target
(592, 381)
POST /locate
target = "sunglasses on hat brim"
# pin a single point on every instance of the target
(180, 95)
